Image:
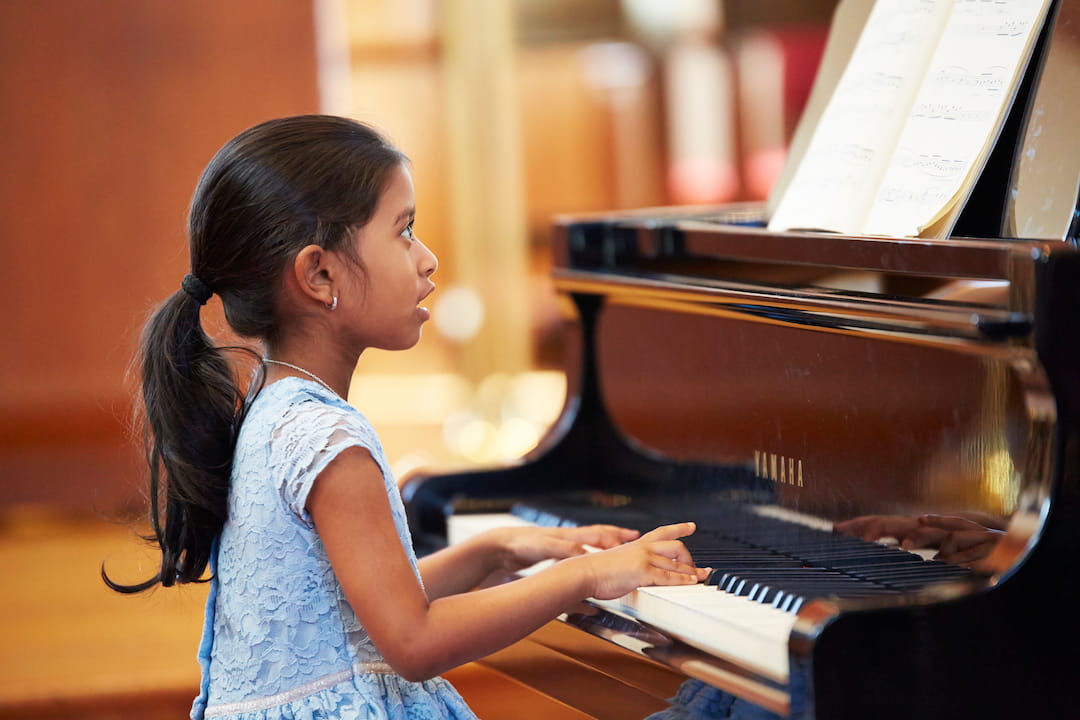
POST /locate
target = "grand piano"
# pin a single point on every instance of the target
(778, 387)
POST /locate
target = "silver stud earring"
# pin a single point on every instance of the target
(332, 305)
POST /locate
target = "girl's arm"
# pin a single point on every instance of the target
(422, 638)
(466, 565)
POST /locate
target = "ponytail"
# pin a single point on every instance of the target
(192, 409)
(266, 194)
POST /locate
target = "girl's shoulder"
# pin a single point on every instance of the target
(298, 416)
(293, 429)
(300, 405)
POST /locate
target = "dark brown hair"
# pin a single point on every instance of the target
(270, 191)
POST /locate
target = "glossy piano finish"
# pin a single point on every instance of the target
(1043, 189)
(849, 402)
(831, 403)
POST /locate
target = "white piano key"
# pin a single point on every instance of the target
(462, 527)
(726, 625)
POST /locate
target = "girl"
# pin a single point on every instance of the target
(318, 607)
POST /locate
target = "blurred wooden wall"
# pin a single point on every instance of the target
(110, 109)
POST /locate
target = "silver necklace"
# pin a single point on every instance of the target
(311, 375)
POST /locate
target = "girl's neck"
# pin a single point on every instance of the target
(302, 371)
(279, 362)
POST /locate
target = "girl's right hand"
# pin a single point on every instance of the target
(656, 558)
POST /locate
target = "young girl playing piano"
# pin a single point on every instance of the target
(318, 607)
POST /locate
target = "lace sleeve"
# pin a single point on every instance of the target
(308, 437)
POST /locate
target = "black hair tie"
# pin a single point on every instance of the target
(196, 288)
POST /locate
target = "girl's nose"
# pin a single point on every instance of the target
(428, 262)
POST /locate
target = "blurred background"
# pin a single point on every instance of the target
(512, 112)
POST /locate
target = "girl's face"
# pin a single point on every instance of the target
(384, 299)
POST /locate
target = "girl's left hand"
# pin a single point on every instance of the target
(525, 546)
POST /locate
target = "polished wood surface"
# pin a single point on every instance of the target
(595, 677)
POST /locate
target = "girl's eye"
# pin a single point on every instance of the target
(408, 233)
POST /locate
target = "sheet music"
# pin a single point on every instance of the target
(957, 114)
(835, 183)
(913, 117)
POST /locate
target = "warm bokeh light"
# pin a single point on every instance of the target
(506, 417)
(440, 420)
(458, 313)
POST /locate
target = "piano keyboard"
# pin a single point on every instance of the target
(766, 566)
(734, 627)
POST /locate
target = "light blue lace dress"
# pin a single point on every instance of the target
(280, 641)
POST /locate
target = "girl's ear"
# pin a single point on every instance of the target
(315, 270)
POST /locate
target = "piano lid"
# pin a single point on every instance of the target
(1044, 187)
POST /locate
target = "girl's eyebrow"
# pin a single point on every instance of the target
(406, 214)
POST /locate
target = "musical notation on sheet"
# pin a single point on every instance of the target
(912, 117)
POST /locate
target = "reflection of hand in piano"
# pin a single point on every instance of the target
(960, 540)
(966, 542)
(904, 529)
